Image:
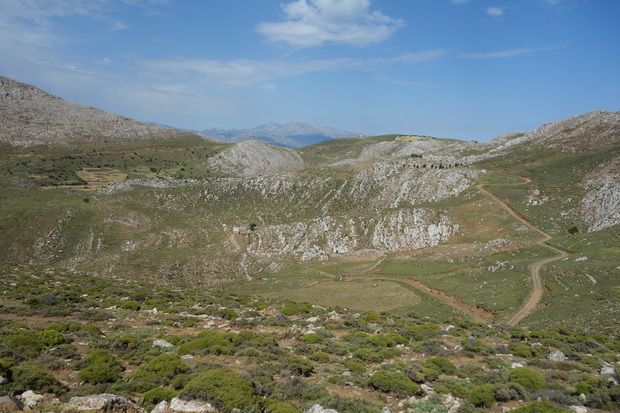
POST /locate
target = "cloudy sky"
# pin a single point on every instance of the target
(469, 69)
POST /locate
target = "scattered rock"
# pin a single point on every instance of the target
(177, 405)
(556, 356)
(103, 403)
(31, 398)
(162, 344)
(608, 371)
(386, 410)
(317, 408)
(578, 409)
(515, 365)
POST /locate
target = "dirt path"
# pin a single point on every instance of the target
(537, 283)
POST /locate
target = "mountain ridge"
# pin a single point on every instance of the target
(292, 134)
(32, 117)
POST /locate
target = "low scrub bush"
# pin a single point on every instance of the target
(300, 366)
(27, 377)
(158, 372)
(51, 338)
(281, 408)
(531, 380)
(482, 396)
(223, 388)
(157, 395)
(394, 382)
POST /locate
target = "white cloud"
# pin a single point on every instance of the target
(118, 26)
(504, 53)
(495, 11)
(315, 22)
(250, 73)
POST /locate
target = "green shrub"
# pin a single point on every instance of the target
(223, 388)
(26, 377)
(296, 308)
(312, 338)
(97, 373)
(300, 366)
(128, 305)
(522, 350)
(212, 342)
(25, 345)
(443, 364)
(157, 395)
(482, 396)
(394, 382)
(158, 372)
(355, 366)
(99, 367)
(51, 338)
(530, 380)
(367, 354)
(281, 408)
(319, 356)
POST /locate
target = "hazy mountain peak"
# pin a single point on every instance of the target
(291, 134)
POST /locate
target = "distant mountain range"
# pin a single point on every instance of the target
(291, 135)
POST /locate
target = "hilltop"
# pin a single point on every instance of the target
(31, 117)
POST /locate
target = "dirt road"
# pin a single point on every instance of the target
(537, 283)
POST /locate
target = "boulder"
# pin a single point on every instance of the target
(317, 408)
(556, 356)
(578, 409)
(31, 398)
(10, 404)
(178, 405)
(162, 344)
(103, 403)
(608, 371)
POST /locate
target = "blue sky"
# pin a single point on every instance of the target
(467, 69)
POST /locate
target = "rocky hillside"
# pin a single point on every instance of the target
(251, 158)
(31, 117)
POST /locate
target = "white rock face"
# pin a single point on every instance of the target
(323, 237)
(317, 408)
(162, 344)
(192, 406)
(104, 403)
(31, 399)
(556, 356)
(601, 205)
(251, 158)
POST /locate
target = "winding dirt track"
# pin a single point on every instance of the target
(537, 283)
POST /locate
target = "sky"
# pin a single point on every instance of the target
(464, 69)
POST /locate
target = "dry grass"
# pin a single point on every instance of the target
(372, 295)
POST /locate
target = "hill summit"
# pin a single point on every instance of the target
(32, 117)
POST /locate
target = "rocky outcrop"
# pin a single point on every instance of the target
(601, 205)
(103, 403)
(177, 405)
(251, 158)
(322, 238)
(29, 117)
